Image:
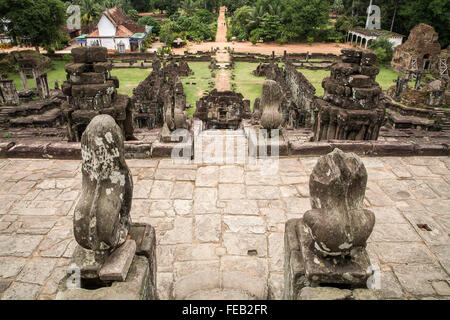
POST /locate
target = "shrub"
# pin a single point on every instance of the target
(383, 48)
(67, 57)
(150, 21)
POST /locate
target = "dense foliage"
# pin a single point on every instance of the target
(279, 20)
(38, 22)
(150, 21)
(383, 48)
(199, 25)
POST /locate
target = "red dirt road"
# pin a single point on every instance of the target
(221, 35)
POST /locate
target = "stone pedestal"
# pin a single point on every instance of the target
(326, 247)
(261, 145)
(140, 280)
(305, 268)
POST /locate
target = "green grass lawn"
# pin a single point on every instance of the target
(315, 77)
(246, 83)
(56, 73)
(385, 78)
(130, 78)
(201, 77)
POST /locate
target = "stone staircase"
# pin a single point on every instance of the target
(445, 124)
(43, 113)
(4, 112)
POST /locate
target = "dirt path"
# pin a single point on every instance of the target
(267, 48)
(221, 35)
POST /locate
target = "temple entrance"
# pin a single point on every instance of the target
(426, 62)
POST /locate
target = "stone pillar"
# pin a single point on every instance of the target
(418, 79)
(23, 77)
(42, 86)
(8, 93)
(327, 246)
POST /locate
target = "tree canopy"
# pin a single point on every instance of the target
(36, 21)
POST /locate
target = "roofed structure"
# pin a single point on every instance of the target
(363, 36)
(116, 31)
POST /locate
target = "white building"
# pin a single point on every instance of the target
(116, 32)
(362, 37)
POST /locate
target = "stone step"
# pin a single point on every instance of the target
(47, 118)
(219, 294)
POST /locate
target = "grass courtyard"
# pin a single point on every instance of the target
(129, 78)
(196, 85)
(201, 78)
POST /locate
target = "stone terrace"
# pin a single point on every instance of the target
(220, 227)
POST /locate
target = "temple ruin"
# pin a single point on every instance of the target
(352, 107)
(162, 90)
(420, 53)
(222, 110)
(298, 94)
(91, 90)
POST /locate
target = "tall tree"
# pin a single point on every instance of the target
(37, 21)
(304, 16)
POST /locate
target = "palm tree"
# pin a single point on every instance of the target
(256, 17)
(90, 11)
(275, 9)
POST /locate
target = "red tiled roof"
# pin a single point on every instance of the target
(123, 31)
(94, 33)
(116, 16)
(124, 27)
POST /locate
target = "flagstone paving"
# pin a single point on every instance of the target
(220, 228)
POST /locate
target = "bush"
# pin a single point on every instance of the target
(150, 21)
(383, 48)
(133, 15)
(67, 57)
(381, 55)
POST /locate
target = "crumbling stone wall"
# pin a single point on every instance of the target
(222, 110)
(298, 93)
(150, 95)
(91, 90)
(351, 108)
(432, 94)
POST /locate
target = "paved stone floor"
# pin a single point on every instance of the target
(220, 227)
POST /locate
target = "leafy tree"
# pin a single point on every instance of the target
(205, 16)
(133, 15)
(36, 21)
(304, 16)
(189, 6)
(150, 21)
(239, 22)
(270, 27)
